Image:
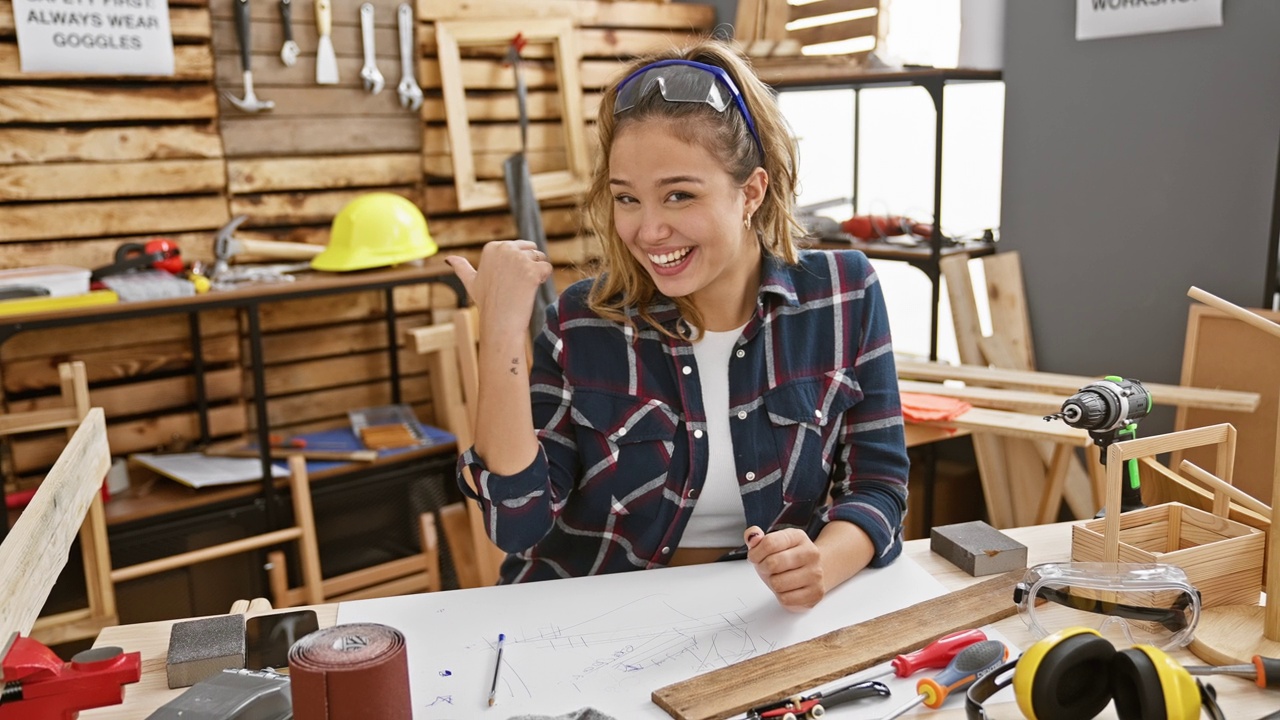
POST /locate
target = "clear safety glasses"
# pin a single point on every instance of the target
(685, 81)
(1147, 604)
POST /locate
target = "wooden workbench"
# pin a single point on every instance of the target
(1045, 543)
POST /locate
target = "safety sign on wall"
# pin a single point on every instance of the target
(94, 37)
(1112, 18)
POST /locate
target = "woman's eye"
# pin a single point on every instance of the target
(623, 199)
(679, 196)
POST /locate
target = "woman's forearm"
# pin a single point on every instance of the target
(845, 550)
(504, 435)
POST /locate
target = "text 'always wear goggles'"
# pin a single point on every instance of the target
(685, 81)
(1152, 604)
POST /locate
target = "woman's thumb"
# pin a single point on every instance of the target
(463, 269)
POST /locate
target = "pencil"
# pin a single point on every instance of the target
(497, 667)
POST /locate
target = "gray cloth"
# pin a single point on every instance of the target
(582, 714)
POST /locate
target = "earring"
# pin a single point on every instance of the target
(746, 222)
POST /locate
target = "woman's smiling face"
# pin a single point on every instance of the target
(681, 216)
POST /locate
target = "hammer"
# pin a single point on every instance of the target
(250, 103)
(226, 245)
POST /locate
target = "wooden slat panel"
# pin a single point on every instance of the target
(34, 103)
(593, 42)
(309, 344)
(836, 31)
(350, 102)
(188, 24)
(542, 105)
(269, 74)
(331, 372)
(118, 363)
(95, 253)
(268, 175)
(479, 228)
(48, 221)
(299, 208)
(321, 311)
(829, 7)
(482, 74)
(72, 181)
(266, 38)
(111, 144)
(586, 12)
(117, 334)
(190, 62)
(334, 403)
(246, 136)
(497, 137)
(150, 395)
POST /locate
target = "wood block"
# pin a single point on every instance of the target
(977, 548)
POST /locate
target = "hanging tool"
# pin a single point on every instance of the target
(370, 74)
(933, 656)
(1109, 410)
(250, 103)
(326, 61)
(972, 663)
(817, 704)
(37, 685)
(158, 253)
(289, 50)
(408, 90)
(1264, 671)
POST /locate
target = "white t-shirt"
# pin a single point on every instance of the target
(718, 519)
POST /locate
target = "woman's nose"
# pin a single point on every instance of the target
(653, 226)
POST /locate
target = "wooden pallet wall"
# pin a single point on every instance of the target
(87, 164)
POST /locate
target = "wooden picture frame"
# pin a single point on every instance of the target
(473, 193)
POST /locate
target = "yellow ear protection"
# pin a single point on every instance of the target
(1073, 674)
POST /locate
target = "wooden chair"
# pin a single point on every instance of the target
(36, 548)
(101, 609)
(416, 573)
(453, 365)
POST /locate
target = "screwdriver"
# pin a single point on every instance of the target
(972, 663)
(1264, 671)
(933, 656)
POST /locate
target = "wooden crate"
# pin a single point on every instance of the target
(1222, 558)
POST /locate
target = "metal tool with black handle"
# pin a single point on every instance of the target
(250, 103)
(289, 50)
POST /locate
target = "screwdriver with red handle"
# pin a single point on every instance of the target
(1264, 671)
(933, 656)
(972, 663)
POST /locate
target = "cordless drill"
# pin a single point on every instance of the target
(1109, 410)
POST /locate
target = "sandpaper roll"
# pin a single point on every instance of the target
(344, 672)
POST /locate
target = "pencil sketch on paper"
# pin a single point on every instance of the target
(611, 649)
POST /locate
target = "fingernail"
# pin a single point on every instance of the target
(755, 535)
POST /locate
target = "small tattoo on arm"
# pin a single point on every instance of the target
(515, 363)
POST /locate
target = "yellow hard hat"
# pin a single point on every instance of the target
(376, 230)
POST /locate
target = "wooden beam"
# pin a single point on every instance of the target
(1176, 395)
(300, 208)
(843, 30)
(104, 103)
(728, 691)
(256, 136)
(830, 7)
(1023, 401)
(584, 12)
(322, 173)
(20, 146)
(190, 62)
(72, 181)
(36, 548)
(50, 221)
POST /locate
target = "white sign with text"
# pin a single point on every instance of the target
(1113, 18)
(94, 37)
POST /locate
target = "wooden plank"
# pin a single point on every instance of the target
(483, 74)
(830, 7)
(491, 165)
(484, 227)
(190, 62)
(608, 43)
(326, 172)
(334, 403)
(1007, 303)
(1176, 395)
(332, 340)
(1013, 425)
(110, 144)
(71, 181)
(1224, 352)
(116, 334)
(748, 20)
(302, 207)
(331, 372)
(49, 221)
(150, 395)
(36, 549)
(118, 363)
(321, 311)
(52, 104)
(304, 101)
(997, 398)
(496, 137)
(348, 45)
(728, 691)
(773, 20)
(95, 253)
(682, 16)
(843, 30)
(246, 136)
(188, 24)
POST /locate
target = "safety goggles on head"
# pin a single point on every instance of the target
(1152, 604)
(684, 81)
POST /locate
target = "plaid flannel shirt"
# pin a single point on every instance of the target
(815, 419)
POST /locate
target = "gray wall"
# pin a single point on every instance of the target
(1135, 168)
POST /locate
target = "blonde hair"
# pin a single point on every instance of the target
(622, 285)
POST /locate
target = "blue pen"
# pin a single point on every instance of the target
(493, 689)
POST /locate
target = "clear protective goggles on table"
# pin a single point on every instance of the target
(1131, 603)
(680, 80)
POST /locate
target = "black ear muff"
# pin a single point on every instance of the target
(1072, 679)
(1136, 686)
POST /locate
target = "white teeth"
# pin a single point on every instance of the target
(669, 258)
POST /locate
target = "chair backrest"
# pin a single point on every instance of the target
(36, 548)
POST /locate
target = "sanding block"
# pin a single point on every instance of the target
(977, 548)
(232, 695)
(199, 649)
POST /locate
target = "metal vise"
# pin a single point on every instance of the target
(39, 686)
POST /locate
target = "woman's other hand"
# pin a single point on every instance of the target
(508, 279)
(790, 564)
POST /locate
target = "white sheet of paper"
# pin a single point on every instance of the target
(199, 470)
(609, 641)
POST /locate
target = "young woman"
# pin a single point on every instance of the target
(712, 393)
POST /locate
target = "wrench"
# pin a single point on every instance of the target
(410, 93)
(289, 50)
(370, 74)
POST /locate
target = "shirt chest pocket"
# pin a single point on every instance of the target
(624, 424)
(804, 413)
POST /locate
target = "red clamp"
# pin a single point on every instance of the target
(39, 686)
